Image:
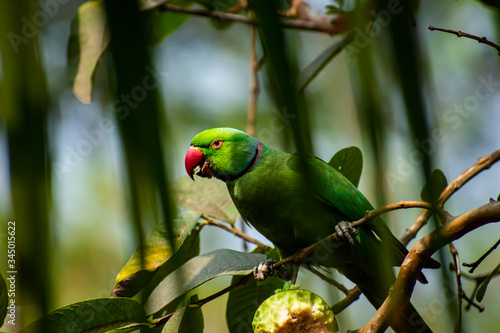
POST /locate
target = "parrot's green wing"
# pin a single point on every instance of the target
(332, 188)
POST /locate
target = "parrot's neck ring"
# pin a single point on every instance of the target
(251, 165)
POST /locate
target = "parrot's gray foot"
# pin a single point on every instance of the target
(265, 269)
(346, 233)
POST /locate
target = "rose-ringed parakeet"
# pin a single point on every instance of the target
(294, 201)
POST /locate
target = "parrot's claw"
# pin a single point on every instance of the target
(265, 269)
(346, 233)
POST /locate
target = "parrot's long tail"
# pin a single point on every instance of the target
(407, 320)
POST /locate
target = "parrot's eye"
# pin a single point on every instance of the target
(216, 143)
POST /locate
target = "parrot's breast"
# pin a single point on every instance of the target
(276, 201)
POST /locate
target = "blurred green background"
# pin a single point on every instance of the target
(206, 77)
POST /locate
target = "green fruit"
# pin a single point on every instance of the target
(294, 311)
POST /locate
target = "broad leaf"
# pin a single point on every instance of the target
(432, 190)
(186, 319)
(96, 315)
(188, 250)
(158, 255)
(198, 271)
(207, 196)
(482, 289)
(88, 39)
(349, 161)
(3, 300)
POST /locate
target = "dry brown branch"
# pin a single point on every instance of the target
(330, 24)
(482, 164)
(458, 33)
(410, 269)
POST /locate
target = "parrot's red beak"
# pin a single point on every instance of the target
(194, 158)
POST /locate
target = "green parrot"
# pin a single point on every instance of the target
(295, 204)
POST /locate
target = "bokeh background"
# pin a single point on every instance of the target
(206, 82)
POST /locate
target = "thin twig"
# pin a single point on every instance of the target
(470, 300)
(329, 280)
(352, 296)
(235, 231)
(458, 33)
(243, 281)
(475, 264)
(482, 164)
(330, 24)
(254, 85)
(460, 291)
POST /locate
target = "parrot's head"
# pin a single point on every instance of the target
(224, 153)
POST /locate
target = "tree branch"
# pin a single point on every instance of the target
(483, 163)
(410, 269)
(254, 86)
(235, 231)
(302, 254)
(329, 280)
(243, 281)
(470, 300)
(330, 24)
(481, 40)
(352, 296)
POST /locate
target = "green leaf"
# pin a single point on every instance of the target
(332, 9)
(89, 37)
(4, 299)
(198, 271)
(349, 161)
(432, 190)
(92, 316)
(482, 289)
(158, 255)
(186, 319)
(207, 196)
(164, 23)
(498, 198)
(217, 5)
(188, 250)
(315, 67)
